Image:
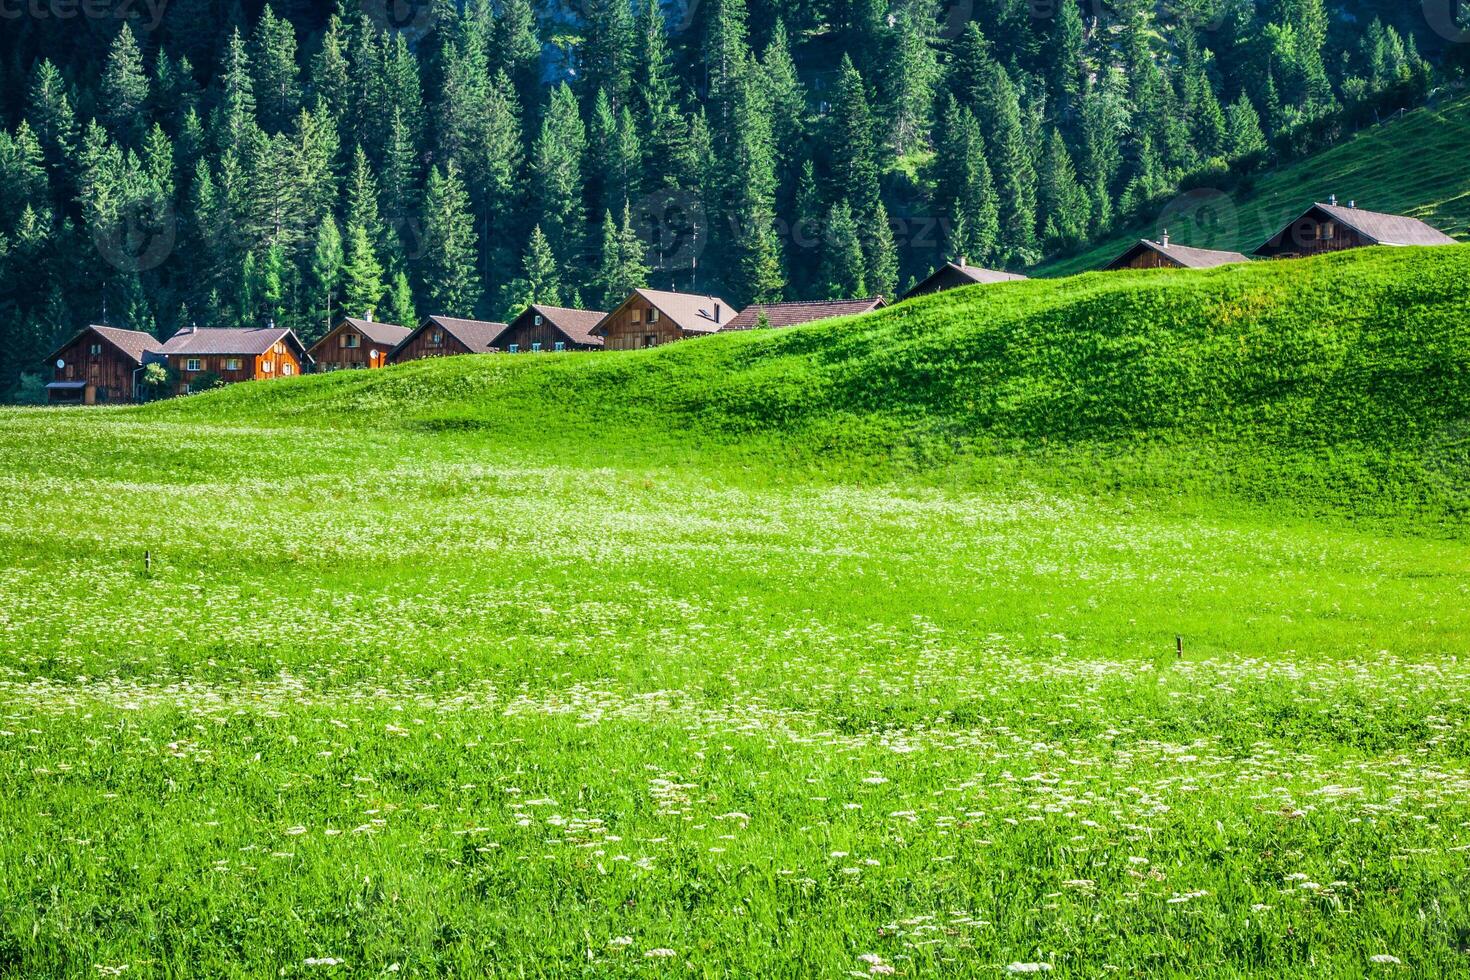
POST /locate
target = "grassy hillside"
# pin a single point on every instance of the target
(1413, 165)
(842, 650)
(1340, 383)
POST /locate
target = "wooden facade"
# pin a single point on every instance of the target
(550, 328)
(650, 318)
(99, 365)
(1330, 227)
(356, 345)
(953, 275)
(1164, 254)
(232, 356)
(441, 336)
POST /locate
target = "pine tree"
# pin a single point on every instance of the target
(655, 104)
(964, 190)
(273, 59)
(725, 54)
(911, 72)
(851, 141)
(326, 273)
(556, 177)
(1066, 70)
(543, 280)
(881, 255)
(748, 198)
(125, 88)
(520, 53)
(1012, 168)
(330, 72)
(362, 274)
(786, 97)
(621, 269)
(448, 268)
(399, 308)
(843, 274)
(49, 111)
(1243, 130)
(1064, 205)
(607, 52)
(235, 114)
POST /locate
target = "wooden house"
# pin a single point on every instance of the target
(952, 275)
(791, 314)
(101, 364)
(1164, 254)
(1332, 228)
(232, 355)
(355, 345)
(446, 336)
(551, 328)
(651, 317)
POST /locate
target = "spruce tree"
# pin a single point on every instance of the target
(520, 53)
(556, 177)
(656, 105)
(448, 270)
(543, 279)
(125, 89)
(273, 60)
(1065, 207)
(964, 190)
(1012, 168)
(1243, 130)
(607, 51)
(844, 266)
(910, 73)
(851, 142)
(881, 254)
(399, 307)
(49, 111)
(362, 274)
(235, 114)
(326, 275)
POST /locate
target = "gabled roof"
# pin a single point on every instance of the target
(1375, 226)
(478, 335)
(244, 341)
(963, 271)
(1181, 255)
(387, 334)
(134, 344)
(690, 312)
(790, 314)
(577, 325)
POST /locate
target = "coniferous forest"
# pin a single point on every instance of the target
(231, 164)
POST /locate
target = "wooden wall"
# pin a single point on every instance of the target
(524, 333)
(330, 355)
(109, 373)
(1313, 235)
(628, 328)
(422, 344)
(278, 362)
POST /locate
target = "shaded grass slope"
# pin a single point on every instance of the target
(1338, 384)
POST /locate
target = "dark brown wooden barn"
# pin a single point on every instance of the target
(1331, 227)
(1164, 254)
(651, 317)
(446, 336)
(198, 355)
(791, 314)
(355, 345)
(101, 364)
(551, 328)
(952, 275)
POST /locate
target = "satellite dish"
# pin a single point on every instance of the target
(372, 355)
(60, 363)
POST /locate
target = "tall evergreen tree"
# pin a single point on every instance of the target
(362, 274)
(851, 141)
(556, 177)
(125, 88)
(273, 60)
(448, 267)
(844, 267)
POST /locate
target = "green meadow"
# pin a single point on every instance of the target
(848, 649)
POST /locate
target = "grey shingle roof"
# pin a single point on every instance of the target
(1387, 229)
(478, 335)
(576, 324)
(245, 341)
(135, 344)
(1183, 255)
(387, 334)
(790, 314)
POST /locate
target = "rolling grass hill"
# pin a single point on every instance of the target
(1339, 384)
(848, 649)
(1412, 165)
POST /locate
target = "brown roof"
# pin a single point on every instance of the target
(245, 341)
(134, 344)
(976, 274)
(478, 335)
(968, 274)
(387, 334)
(1375, 226)
(689, 312)
(1181, 255)
(576, 324)
(790, 314)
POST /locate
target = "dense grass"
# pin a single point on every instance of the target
(1411, 165)
(843, 649)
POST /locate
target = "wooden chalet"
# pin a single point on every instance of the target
(101, 364)
(356, 345)
(952, 275)
(233, 355)
(551, 328)
(1164, 254)
(791, 314)
(650, 317)
(1331, 227)
(446, 336)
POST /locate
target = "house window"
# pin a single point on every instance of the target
(1326, 231)
(514, 348)
(279, 348)
(653, 316)
(539, 320)
(268, 366)
(436, 338)
(351, 341)
(232, 364)
(536, 347)
(560, 346)
(192, 364)
(637, 316)
(95, 349)
(287, 369)
(650, 340)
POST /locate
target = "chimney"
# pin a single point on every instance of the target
(1332, 199)
(1165, 240)
(964, 261)
(368, 316)
(1353, 204)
